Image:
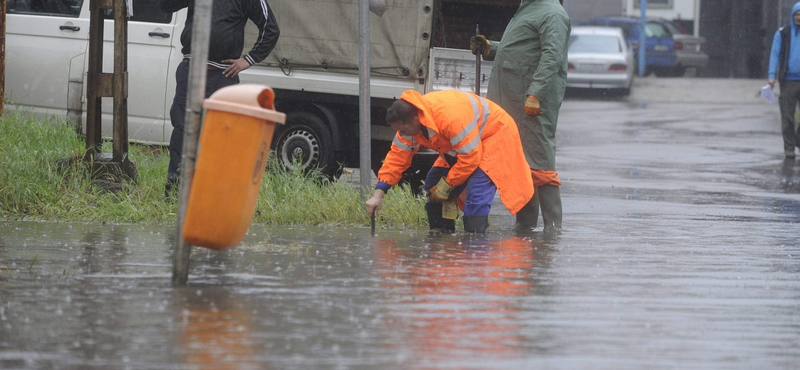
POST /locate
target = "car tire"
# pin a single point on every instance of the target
(307, 142)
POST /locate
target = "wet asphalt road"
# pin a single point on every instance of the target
(680, 250)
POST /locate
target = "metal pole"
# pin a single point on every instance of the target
(2, 56)
(696, 30)
(477, 66)
(201, 34)
(642, 36)
(365, 139)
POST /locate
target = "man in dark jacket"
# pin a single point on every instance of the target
(784, 64)
(225, 59)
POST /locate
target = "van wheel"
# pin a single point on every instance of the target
(306, 142)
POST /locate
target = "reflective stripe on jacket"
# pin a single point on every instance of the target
(474, 130)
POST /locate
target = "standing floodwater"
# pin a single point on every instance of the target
(680, 251)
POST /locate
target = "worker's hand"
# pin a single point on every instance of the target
(237, 65)
(771, 82)
(374, 203)
(441, 191)
(479, 44)
(532, 106)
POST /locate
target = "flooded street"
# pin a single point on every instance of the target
(680, 250)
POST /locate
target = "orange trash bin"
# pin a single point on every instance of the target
(232, 154)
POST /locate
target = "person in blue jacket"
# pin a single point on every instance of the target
(784, 66)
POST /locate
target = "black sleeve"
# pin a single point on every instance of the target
(268, 32)
(171, 6)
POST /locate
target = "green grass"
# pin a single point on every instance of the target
(38, 182)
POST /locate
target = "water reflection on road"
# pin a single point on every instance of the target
(680, 251)
(709, 295)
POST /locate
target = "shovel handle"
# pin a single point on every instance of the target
(372, 221)
(477, 66)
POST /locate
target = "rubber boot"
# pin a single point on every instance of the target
(528, 216)
(436, 221)
(550, 201)
(173, 180)
(476, 224)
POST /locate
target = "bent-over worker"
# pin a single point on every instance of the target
(480, 154)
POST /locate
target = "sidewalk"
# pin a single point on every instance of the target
(698, 90)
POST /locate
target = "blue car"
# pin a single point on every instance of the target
(660, 55)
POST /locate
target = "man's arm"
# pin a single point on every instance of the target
(554, 35)
(171, 6)
(397, 160)
(774, 57)
(268, 32)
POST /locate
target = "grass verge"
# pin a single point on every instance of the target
(38, 182)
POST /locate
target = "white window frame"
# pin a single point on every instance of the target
(656, 4)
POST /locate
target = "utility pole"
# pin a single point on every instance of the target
(642, 36)
(365, 136)
(201, 36)
(364, 100)
(696, 28)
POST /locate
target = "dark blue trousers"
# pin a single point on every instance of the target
(215, 80)
(480, 190)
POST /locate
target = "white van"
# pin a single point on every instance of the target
(313, 68)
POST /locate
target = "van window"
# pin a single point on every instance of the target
(59, 8)
(145, 11)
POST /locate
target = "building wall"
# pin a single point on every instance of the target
(668, 9)
(738, 36)
(581, 10)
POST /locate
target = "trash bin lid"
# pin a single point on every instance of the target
(246, 99)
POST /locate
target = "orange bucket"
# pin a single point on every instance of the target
(231, 157)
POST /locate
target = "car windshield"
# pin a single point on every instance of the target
(594, 44)
(672, 28)
(656, 30)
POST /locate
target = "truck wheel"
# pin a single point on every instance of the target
(414, 176)
(306, 142)
(379, 150)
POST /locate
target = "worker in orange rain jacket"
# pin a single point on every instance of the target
(479, 150)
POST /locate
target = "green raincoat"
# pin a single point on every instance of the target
(531, 58)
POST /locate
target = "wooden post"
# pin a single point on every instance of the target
(120, 83)
(115, 165)
(201, 36)
(96, 85)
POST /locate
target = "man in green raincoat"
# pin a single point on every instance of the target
(528, 80)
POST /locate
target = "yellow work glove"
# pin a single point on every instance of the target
(450, 210)
(441, 191)
(532, 107)
(479, 44)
